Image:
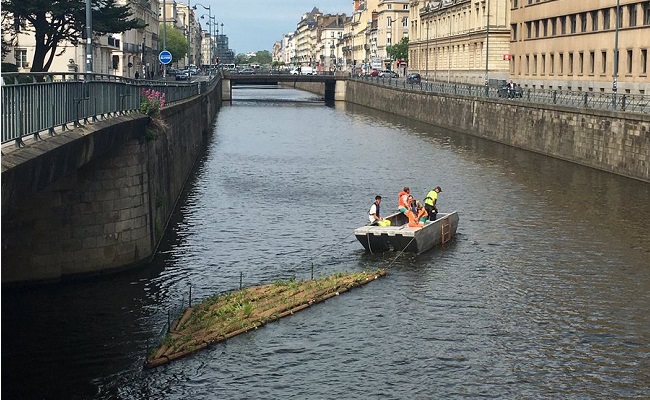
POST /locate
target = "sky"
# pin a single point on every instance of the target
(254, 25)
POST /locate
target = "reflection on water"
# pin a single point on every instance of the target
(544, 292)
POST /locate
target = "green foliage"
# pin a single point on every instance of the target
(54, 21)
(399, 51)
(176, 42)
(262, 57)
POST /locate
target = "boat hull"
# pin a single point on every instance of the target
(401, 237)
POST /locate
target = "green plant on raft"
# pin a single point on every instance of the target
(247, 308)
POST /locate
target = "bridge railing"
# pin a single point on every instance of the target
(35, 103)
(577, 99)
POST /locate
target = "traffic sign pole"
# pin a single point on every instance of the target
(165, 57)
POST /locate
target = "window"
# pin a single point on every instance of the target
(631, 10)
(606, 19)
(594, 21)
(527, 64)
(603, 62)
(573, 18)
(619, 18)
(570, 63)
(536, 25)
(553, 27)
(543, 64)
(583, 22)
(552, 64)
(561, 63)
(646, 13)
(563, 25)
(390, 6)
(535, 64)
(513, 29)
(629, 61)
(405, 22)
(405, 7)
(581, 60)
(389, 22)
(514, 3)
(644, 61)
(545, 27)
(592, 61)
(21, 58)
(528, 29)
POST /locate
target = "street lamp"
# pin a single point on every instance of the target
(89, 37)
(211, 24)
(487, 45)
(449, 48)
(435, 48)
(615, 83)
(207, 8)
(427, 59)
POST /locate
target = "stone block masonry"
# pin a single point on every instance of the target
(97, 199)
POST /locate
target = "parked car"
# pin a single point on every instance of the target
(413, 78)
(374, 72)
(388, 74)
(182, 75)
(247, 71)
(506, 91)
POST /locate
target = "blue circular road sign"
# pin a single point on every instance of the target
(165, 57)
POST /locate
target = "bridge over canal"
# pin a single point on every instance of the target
(333, 86)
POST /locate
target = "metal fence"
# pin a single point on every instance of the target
(567, 98)
(40, 102)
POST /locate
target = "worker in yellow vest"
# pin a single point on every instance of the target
(430, 203)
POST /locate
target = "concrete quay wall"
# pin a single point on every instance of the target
(98, 198)
(616, 142)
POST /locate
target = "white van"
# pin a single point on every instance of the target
(302, 71)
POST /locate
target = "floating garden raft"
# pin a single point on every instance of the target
(223, 316)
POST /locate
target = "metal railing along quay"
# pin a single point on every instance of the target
(35, 103)
(576, 99)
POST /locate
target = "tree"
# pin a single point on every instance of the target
(176, 42)
(262, 57)
(54, 21)
(399, 51)
(241, 59)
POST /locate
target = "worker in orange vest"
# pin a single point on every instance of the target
(418, 218)
(403, 202)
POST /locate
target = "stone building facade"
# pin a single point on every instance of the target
(570, 45)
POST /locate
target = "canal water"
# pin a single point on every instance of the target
(544, 293)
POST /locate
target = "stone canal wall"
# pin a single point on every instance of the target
(98, 198)
(616, 142)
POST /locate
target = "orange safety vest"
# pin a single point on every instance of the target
(401, 200)
(413, 220)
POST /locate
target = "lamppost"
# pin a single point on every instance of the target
(427, 59)
(449, 49)
(89, 37)
(615, 83)
(435, 48)
(487, 45)
(209, 13)
(211, 23)
(189, 35)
